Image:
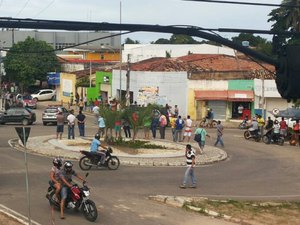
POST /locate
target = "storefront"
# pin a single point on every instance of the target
(241, 103)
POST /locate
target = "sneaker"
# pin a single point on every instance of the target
(182, 186)
(193, 186)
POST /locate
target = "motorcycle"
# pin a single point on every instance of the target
(243, 125)
(256, 135)
(77, 199)
(90, 160)
(208, 123)
(268, 138)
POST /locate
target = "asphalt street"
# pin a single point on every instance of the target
(252, 171)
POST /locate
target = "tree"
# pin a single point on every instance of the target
(130, 41)
(182, 39)
(162, 41)
(28, 61)
(261, 44)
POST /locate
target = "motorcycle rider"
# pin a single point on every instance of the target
(95, 149)
(254, 126)
(55, 176)
(66, 177)
(276, 131)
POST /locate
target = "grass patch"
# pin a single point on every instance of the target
(136, 144)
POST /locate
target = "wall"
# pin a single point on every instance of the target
(100, 84)
(172, 86)
(67, 85)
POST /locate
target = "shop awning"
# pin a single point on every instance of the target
(240, 96)
(211, 95)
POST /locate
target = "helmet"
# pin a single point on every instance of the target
(57, 162)
(68, 165)
(97, 136)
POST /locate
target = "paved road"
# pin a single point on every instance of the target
(253, 170)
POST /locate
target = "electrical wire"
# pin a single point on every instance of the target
(248, 3)
(24, 6)
(44, 9)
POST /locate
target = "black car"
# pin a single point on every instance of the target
(24, 116)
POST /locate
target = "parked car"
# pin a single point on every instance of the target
(27, 101)
(44, 94)
(50, 114)
(24, 116)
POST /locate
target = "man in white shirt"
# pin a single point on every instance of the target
(96, 113)
(188, 129)
(71, 124)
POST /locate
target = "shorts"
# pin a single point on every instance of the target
(64, 192)
(117, 128)
(60, 128)
(146, 129)
(187, 133)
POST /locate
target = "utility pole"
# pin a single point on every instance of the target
(2, 73)
(128, 81)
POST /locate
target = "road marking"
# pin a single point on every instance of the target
(15, 215)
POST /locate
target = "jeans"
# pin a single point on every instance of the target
(189, 173)
(178, 135)
(81, 129)
(153, 129)
(219, 140)
(71, 132)
(127, 131)
(162, 130)
(173, 134)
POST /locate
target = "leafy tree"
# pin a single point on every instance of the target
(261, 44)
(162, 41)
(182, 39)
(28, 61)
(130, 41)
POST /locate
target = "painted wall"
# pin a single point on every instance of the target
(246, 85)
(67, 85)
(101, 84)
(172, 86)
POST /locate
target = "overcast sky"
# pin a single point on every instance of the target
(162, 12)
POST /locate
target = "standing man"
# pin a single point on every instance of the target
(283, 127)
(261, 124)
(220, 129)
(71, 124)
(173, 126)
(162, 125)
(60, 121)
(96, 113)
(101, 124)
(176, 111)
(203, 134)
(81, 123)
(190, 162)
(81, 105)
(154, 124)
(240, 110)
(188, 129)
(179, 127)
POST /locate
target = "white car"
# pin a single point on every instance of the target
(44, 94)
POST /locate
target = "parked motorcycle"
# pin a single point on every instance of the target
(256, 135)
(90, 160)
(78, 199)
(208, 123)
(268, 139)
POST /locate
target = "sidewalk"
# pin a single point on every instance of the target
(172, 156)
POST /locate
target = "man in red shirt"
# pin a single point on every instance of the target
(283, 127)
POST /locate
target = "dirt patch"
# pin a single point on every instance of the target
(253, 213)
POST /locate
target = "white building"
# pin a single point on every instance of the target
(139, 52)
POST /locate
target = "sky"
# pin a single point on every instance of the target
(160, 12)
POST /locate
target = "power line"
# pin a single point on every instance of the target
(248, 3)
(44, 9)
(23, 8)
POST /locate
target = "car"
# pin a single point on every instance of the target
(27, 101)
(50, 113)
(24, 116)
(44, 94)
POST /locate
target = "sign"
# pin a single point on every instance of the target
(21, 131)
(275, 111)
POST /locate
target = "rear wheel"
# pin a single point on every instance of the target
(90, 210)
(113, 163)
(44, 123)
(84, 163)
(281, 141)
(265, 139)
(213, 124)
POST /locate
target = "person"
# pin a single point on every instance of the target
(126, 128)
(91, 104)
(270, 123)
(71, 98)
(190, 162)
(66, 177)
(118, 124)
(154, 125)
(261, 123)
(296, 128)
(147, 125)
(283, 127)
(85, 102)
(276, 131)
(220, 130)
(76, 99)
(60, 121)
(96, 110)
(94, 148)
(71, 124)
(188, 129)
(203, 134)
(240, 110)
(81, 123)
(81, 105)
(162, 125)
(55, 177)
(253, 128)
(101, 125)
(176, 111)
(173, 127)
(179, 127)
(210, 116)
